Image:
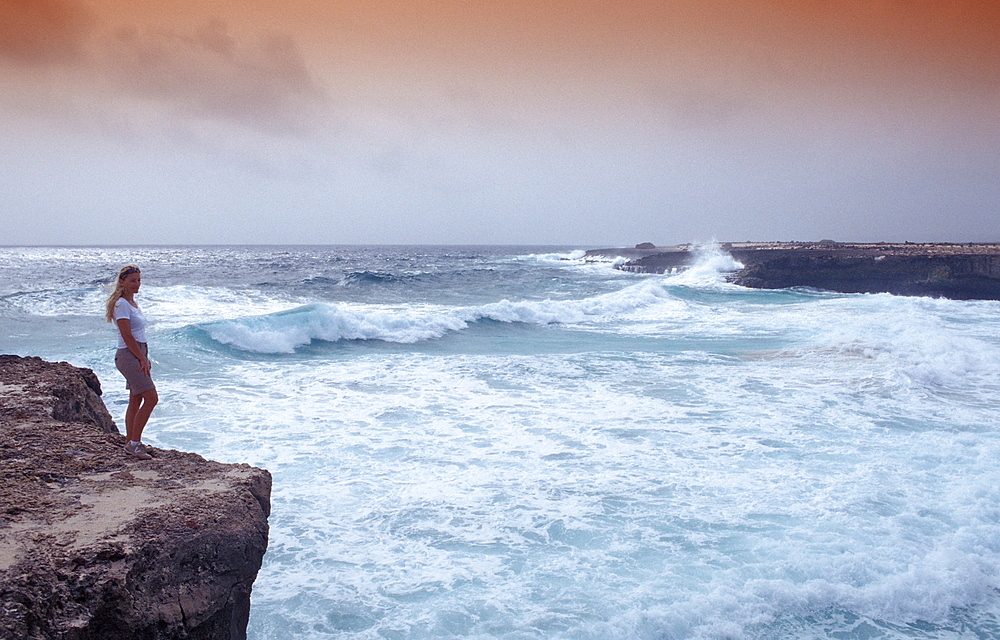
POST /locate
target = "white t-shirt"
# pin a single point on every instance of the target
(137, 321)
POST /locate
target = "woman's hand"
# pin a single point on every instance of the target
(145, 366)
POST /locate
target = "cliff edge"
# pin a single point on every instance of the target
(96, 545)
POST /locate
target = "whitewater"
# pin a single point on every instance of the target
(524, 442)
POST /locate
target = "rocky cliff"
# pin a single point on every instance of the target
(96, 545)
(957, 271)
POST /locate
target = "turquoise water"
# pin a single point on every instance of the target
(516, 442)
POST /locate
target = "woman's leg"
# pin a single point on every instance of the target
(140, 406)
(134, 400)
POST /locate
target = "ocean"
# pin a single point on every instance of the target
(522, 443)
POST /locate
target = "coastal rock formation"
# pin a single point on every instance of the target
(96, 545)
(956, 271)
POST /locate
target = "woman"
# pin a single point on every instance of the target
(132, 358)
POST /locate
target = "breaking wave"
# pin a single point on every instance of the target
(285, 331)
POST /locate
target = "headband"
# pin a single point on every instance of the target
(127, 272)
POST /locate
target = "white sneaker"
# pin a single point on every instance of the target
(137, 451)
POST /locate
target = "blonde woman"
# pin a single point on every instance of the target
(132, 357)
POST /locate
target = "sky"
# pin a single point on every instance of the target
(592, 123)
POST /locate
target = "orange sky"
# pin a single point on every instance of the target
(666, 96)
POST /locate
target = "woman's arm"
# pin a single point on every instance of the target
(133, 346)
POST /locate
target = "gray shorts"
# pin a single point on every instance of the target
(128, 364)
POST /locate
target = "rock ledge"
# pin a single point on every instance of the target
(941, 270)
(98, 545)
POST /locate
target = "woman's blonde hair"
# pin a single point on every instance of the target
(119, 289)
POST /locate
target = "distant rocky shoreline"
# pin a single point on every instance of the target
(943, 270)
(96, 545)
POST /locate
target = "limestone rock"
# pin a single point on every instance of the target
(58, 390)
(95, 544)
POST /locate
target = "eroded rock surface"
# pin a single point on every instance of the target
(95, 544)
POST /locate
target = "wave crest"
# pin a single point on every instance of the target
(285, 331)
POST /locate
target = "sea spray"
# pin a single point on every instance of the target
(710, 264)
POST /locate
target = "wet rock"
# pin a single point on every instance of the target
(956, 271)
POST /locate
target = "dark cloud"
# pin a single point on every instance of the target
(263, 85)
(163, 80)
(43, 32)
